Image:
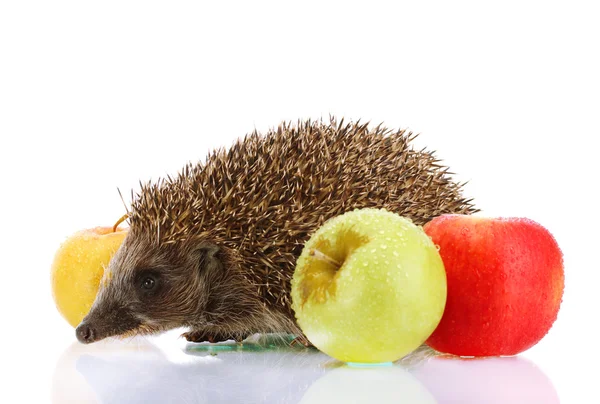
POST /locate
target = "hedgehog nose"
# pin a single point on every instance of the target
(84, 333)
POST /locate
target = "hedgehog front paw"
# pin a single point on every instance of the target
(207, 336)
(302, 340)
(198, 336)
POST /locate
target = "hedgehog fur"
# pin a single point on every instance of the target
(265, 195)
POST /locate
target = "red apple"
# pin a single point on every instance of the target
(505, 284)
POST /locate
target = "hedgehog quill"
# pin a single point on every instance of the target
(214, 248)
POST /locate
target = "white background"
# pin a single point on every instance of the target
(100, 95)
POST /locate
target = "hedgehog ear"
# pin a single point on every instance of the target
(208, 257)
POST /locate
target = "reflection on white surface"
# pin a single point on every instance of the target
(140, 372)
(131, 373)
(487, 380)
(368, 385)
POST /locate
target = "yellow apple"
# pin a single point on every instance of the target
(369, 287)
(78, 268)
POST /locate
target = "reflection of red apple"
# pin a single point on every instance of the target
(505, 284)
(486, 380)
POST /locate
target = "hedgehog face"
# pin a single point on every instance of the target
(148, 289)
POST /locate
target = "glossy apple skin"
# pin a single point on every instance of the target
(505, 284)
(386, 298)
(78, 267)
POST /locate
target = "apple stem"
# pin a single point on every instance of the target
(121, 220)
(319, 255)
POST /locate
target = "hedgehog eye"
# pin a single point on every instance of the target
(148, 283)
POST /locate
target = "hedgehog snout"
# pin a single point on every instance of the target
(106, 321)
(85, 334)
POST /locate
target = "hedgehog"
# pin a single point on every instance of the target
(213, 248)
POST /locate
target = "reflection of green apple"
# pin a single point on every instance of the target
(369, 287)
(379, 385)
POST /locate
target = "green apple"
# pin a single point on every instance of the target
(369, 287)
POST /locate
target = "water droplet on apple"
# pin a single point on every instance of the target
(383, 246)
(374, 250)
(396, 254)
